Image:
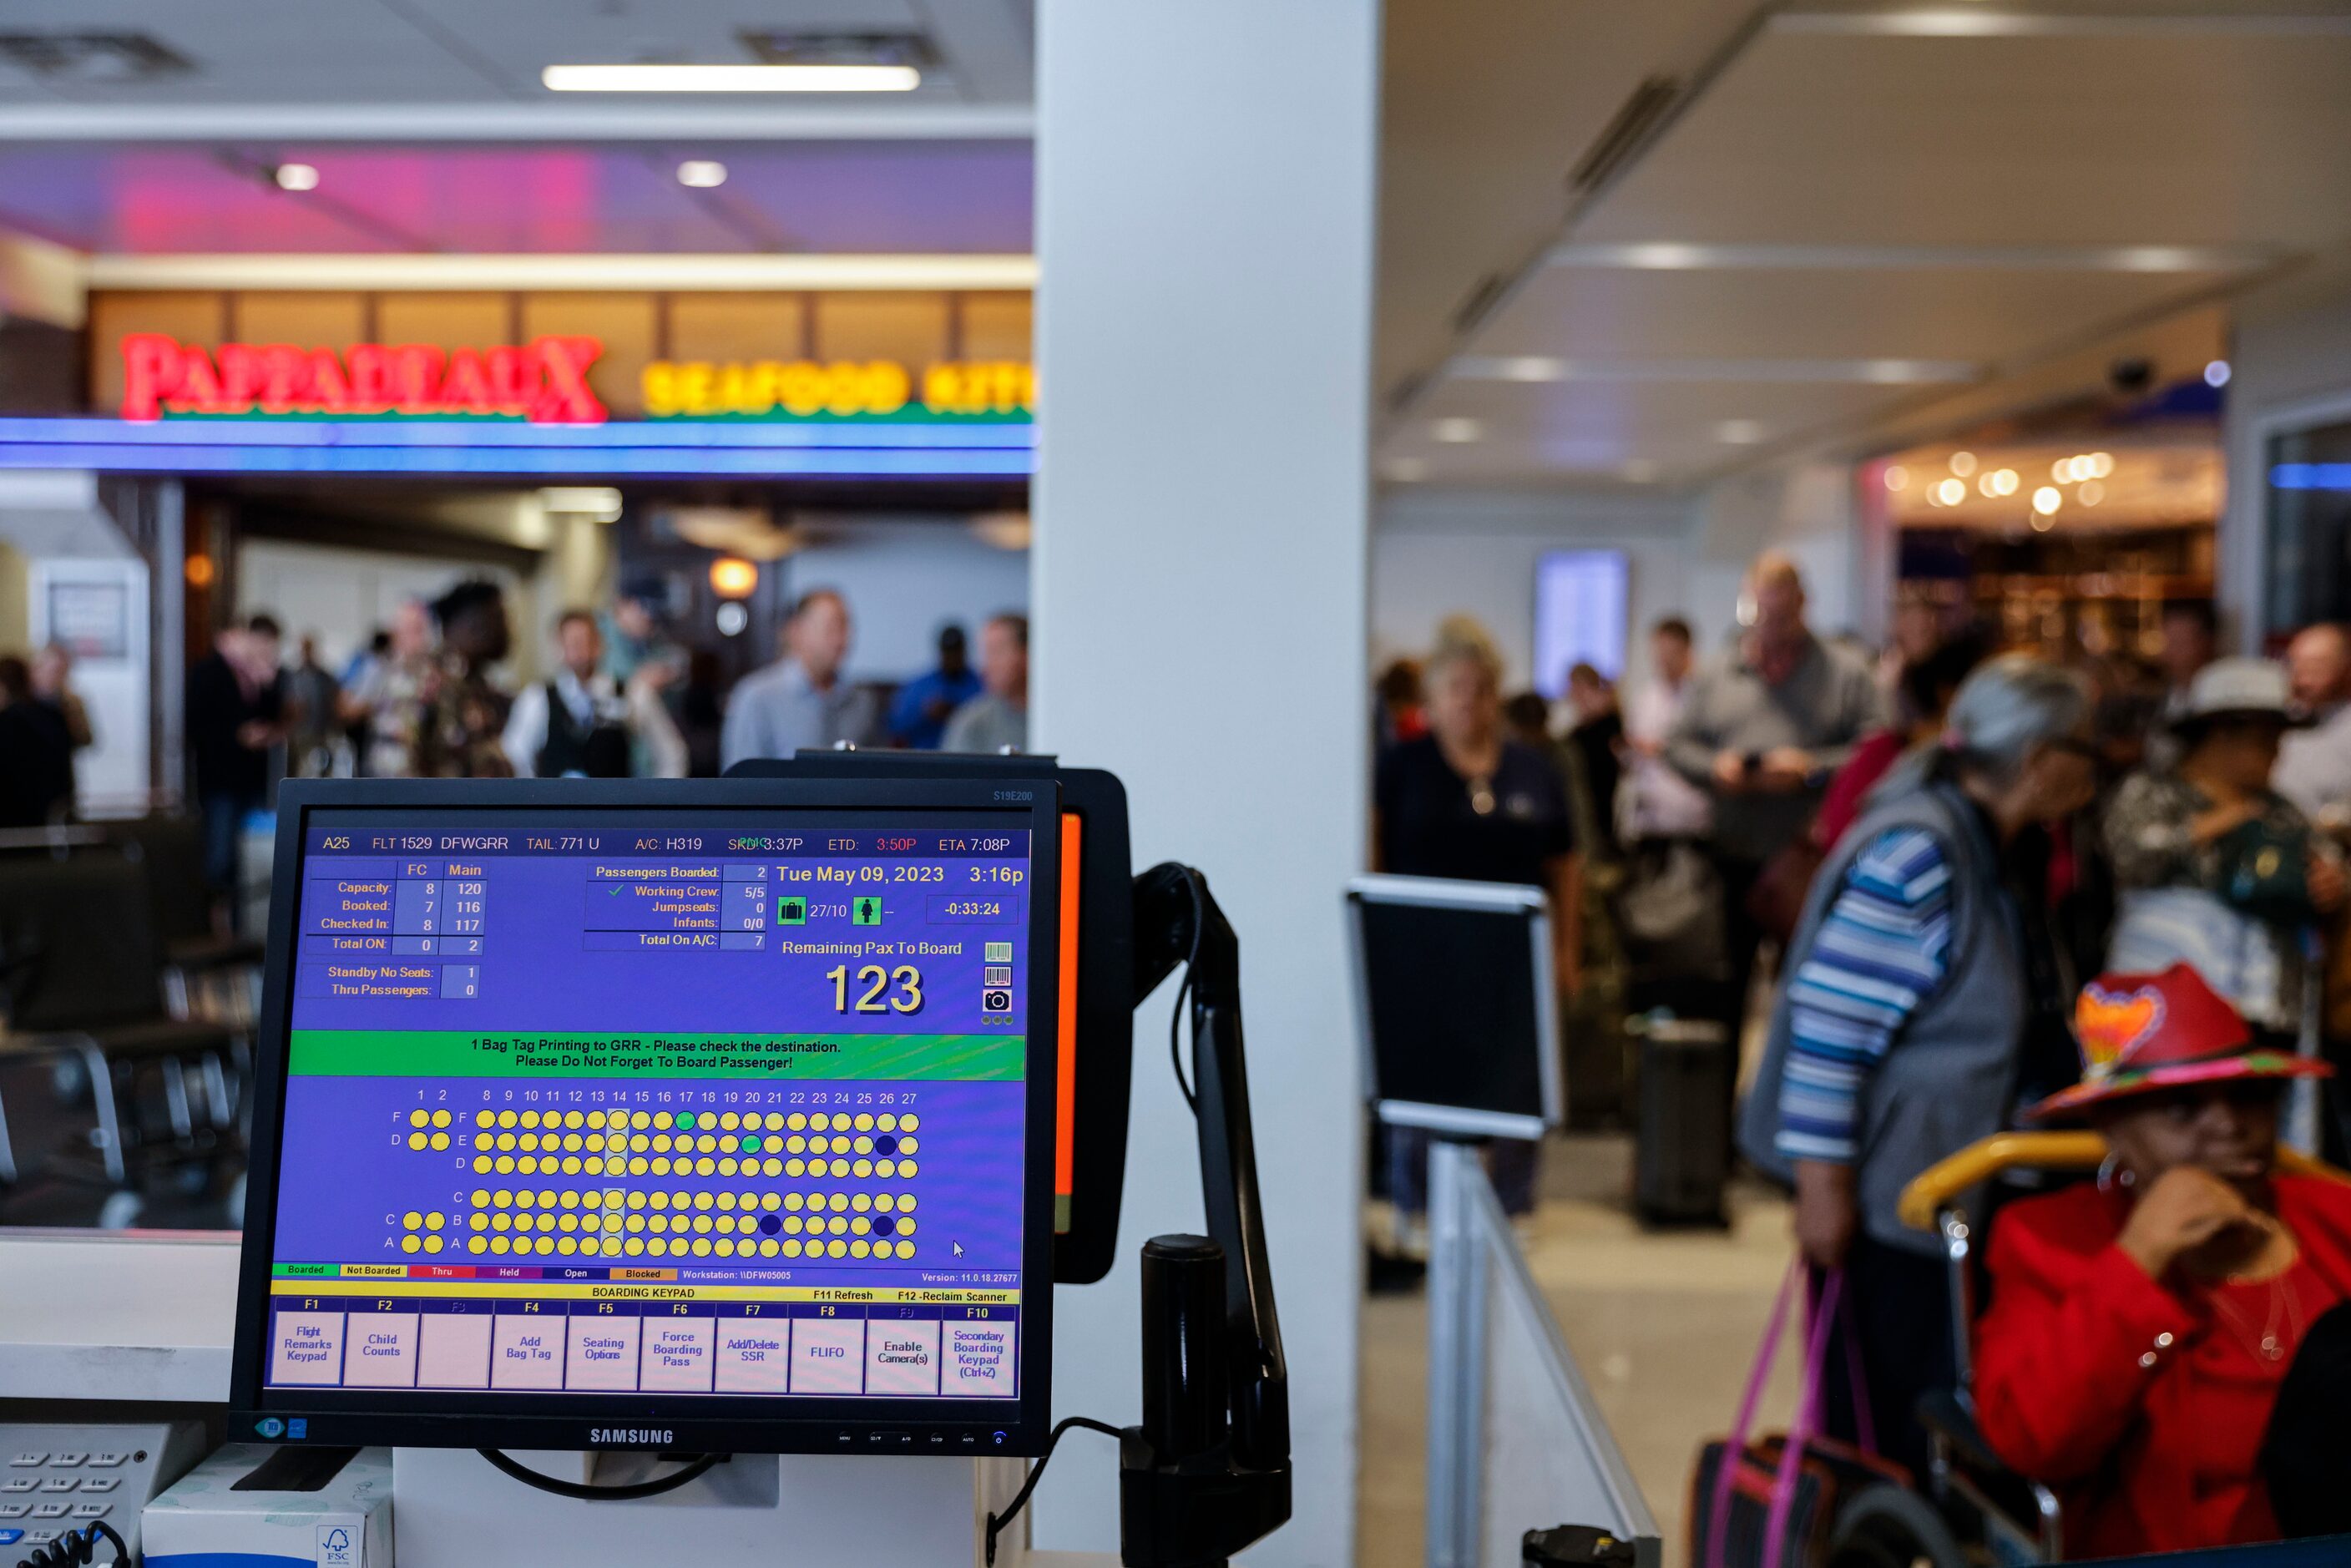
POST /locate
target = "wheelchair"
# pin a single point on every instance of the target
(1971, 1509)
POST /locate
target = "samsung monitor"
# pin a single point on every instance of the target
(1456, 1004)
(698, 1116)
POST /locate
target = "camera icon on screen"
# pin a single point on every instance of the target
(996, 1001)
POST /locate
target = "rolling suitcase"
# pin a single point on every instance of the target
(1682, 1156)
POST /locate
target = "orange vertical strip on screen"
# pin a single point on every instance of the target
(1065, 1107)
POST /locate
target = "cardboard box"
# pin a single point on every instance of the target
(347, 1523)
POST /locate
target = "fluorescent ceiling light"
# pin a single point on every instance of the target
(1739, 432)
(1876, 373)
(702, 173)
(1661, 257)
(730, 79)
(1943, 22)
(294, 177)
(1458, 431)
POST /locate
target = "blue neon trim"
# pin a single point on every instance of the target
(2311, 476)
(651, 449)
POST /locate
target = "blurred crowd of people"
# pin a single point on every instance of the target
(1956, 863)
(425, 698)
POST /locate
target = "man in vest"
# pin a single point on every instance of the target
(584, 725)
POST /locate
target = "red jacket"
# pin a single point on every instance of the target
(2144, 1405)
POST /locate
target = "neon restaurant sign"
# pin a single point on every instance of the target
(846, 389)
(544, 381)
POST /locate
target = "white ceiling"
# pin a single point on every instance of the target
(448, 69)
(431, 131)
(1858, 208)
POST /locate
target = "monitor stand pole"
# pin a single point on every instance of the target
(1457, 1359)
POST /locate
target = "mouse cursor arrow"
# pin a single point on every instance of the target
(958, 1248)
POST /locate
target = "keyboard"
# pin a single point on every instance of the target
(56, 1478)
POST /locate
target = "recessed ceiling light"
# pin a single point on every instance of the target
(1963, 464)
(294, 177)
(2004, 482)
(1739, 432)
(2099, 465)
(2091, 494)
(2216, 374)
(2046, 500)
(1896, 476)
(1951, 492)
(730, 79)
(1458, 431)
(702, 173)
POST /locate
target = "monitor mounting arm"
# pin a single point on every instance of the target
(1207, 1472)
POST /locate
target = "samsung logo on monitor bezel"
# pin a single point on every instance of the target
(630, 1435)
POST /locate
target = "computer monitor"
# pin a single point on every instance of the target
(701, 1116)
(1457, 1004)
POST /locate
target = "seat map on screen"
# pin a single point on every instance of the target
(722, 1103)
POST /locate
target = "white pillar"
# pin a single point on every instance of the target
(1204, 226)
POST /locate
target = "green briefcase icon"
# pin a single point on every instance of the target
(791, 912)
(866, 911)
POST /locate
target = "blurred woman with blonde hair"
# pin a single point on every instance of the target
(1466, 801)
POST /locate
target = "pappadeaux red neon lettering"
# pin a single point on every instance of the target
(546, 381)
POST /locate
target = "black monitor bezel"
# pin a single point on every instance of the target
(669, 1423)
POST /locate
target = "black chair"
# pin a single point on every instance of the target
(87, 1016)
(206, 976)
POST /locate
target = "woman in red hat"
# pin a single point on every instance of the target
(2140, 1326)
